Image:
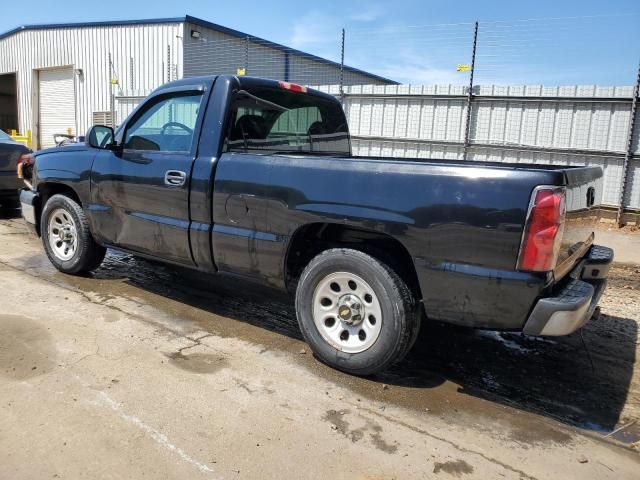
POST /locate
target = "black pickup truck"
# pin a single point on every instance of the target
(255, 178)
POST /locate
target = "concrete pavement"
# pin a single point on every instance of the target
(127, 376)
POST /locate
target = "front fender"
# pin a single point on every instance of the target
(70, 167)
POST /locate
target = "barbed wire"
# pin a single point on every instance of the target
(550, 50)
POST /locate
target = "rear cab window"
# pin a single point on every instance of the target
(275, 120)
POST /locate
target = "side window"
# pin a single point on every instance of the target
(165, 126)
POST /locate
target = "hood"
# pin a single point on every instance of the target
(74, 147)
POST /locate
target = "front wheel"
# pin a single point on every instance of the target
(66, 237)
(355, 312)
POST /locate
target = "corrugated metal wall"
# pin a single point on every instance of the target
(139, 54)
(572, 125)
(215, 53)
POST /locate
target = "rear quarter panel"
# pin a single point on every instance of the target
(462, 225)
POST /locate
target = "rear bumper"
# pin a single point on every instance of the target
(28, 203)
(572, 304)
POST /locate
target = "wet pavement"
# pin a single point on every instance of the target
(540, 391)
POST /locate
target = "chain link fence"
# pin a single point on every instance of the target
(523, 91)
(209, 51)
(514, 91)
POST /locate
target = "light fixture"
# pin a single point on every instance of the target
(195, 34)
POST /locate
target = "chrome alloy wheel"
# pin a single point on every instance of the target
(63, 235)
(346, 312)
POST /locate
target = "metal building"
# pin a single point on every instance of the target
(63, 78)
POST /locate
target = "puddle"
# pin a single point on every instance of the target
(455, 468)
(370, 430)
(198, 362)
(628, 435)
(626, 432)
(26, 348)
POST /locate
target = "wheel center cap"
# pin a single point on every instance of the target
(345, 312)
(65, 233)
(350, 309)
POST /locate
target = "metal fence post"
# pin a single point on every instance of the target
(168, 63)
(467, 129)
(246, 55)
(629, 154)
(112, 97)
(342, 69)
(131, 77)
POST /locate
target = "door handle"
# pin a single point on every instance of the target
(175, 178)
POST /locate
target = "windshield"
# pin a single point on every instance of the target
(277, 120)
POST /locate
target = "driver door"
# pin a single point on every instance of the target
(141, 193)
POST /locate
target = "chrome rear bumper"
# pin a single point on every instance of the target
(573, 304)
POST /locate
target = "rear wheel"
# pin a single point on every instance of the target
(66, 237)
(355, 312)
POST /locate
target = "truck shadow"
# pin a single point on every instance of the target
(553, 378)
(550, 377)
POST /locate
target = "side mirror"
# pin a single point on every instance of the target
(100, 136)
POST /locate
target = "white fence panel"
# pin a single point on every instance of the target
(584, 125)
(567, 125)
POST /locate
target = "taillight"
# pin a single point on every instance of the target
(294, 87)
(25, 159)
(543, 230)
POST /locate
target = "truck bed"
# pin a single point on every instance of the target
(583, 191)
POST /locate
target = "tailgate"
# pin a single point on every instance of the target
(583, 198)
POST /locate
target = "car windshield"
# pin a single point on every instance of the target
(280, 121)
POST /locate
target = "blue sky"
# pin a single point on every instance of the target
(535, 42)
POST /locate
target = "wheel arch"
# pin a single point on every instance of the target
(48, 189)
(313, 238)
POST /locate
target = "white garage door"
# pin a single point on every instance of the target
(57, 104)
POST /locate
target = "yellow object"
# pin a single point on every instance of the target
(461, 67)
(114, 81)
(241, 71)
(25, 139)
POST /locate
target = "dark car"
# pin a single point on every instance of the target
(11, 154)
(255, 178)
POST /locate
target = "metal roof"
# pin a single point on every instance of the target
(193, 21)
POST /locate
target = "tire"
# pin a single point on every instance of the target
(390, 299)
(82, 253)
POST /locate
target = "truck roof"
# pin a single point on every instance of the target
(245, 82)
